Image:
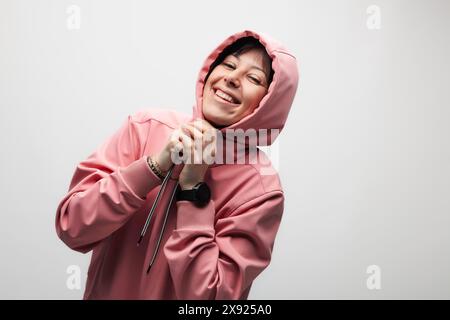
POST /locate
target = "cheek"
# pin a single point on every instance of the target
(254, 97)
(208, 86)
(214, 76)
(207, 90)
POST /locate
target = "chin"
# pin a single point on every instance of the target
(217, 122)
(215, 114)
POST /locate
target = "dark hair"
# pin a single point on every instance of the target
(239, 47)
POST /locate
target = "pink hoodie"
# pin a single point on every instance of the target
(213, 252)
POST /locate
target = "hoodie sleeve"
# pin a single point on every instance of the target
(106, 189)
(221, 260)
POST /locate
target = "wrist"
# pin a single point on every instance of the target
(200, 194)
(187, 186)
(155, 168)
(161, 162)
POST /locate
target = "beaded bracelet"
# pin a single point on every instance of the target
(155, 168)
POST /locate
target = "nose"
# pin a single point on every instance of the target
(231, 79)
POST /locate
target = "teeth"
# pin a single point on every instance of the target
(224, 96)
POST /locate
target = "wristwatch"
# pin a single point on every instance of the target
(200, 194)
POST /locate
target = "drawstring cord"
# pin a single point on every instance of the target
(152, 210)
(163, 228)
(166, 214)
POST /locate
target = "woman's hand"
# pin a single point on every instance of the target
(201, 150)
(196, 141)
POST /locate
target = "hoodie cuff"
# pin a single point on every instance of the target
(139, 177)
(189, 216)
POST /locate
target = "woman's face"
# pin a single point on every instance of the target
(235, 88)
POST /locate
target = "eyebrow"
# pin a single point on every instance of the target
(253, 66)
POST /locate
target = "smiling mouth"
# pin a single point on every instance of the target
(224, 97)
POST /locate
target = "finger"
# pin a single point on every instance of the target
(185, 140)
(182, 141)
(193, 131)
(178, 136)
(199, 141)
(202, 125)
(176, 147)
(210, 135)
(190, 147)
(209, 132)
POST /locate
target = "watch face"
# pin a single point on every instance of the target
(203, 193)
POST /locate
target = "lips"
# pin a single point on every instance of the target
(225, 96)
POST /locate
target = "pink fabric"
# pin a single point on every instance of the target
(215, 252)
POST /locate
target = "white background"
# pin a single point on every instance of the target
(364, 157)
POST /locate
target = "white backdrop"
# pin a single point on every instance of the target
(364, 158)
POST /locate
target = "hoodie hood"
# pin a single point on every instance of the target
(273, 109)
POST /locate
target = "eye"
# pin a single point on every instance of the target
(228, 65)
(255, 80)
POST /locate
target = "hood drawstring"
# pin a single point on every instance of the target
(166, 214)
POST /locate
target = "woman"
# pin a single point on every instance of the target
(218, 233)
